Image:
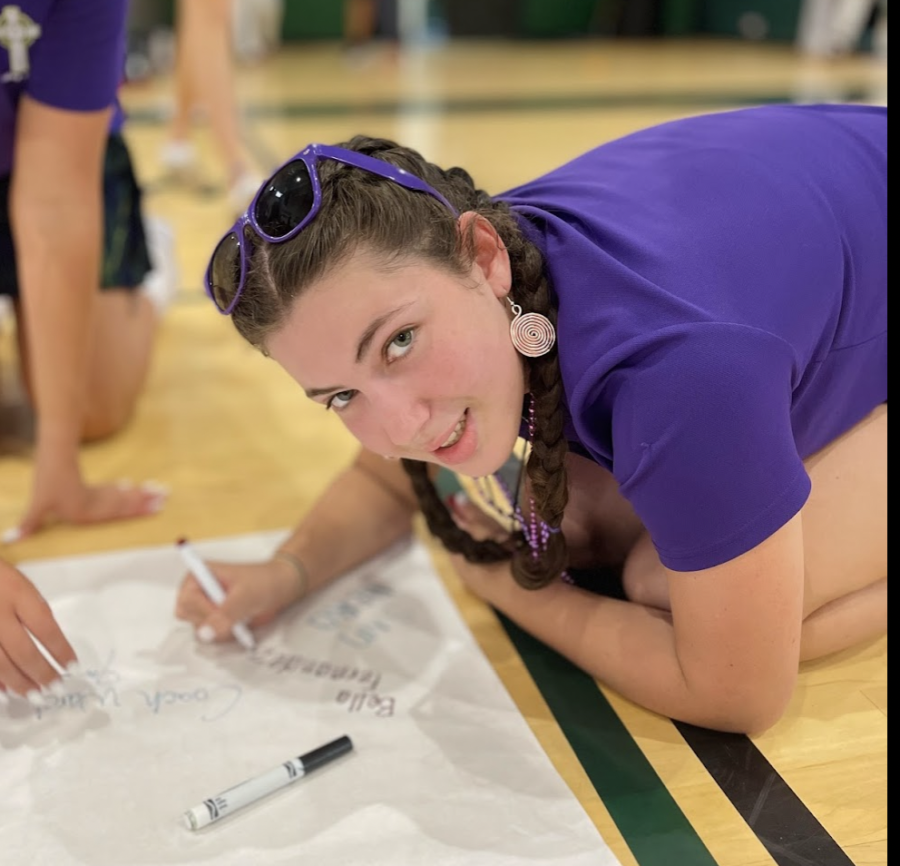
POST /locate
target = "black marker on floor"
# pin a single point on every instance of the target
(216, 808)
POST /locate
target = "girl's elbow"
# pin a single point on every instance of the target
(756, 720)
(751, 708)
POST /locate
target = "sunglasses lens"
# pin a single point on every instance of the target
(286, 200)
(225, 271)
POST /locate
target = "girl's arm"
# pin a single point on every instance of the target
(368, 507)
(56, 209)
(726, 657)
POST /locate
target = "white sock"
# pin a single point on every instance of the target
(161, 283)
(241, 192)
(177, 155)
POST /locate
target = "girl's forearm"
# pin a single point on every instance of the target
(56, 208)
(626, 646)
(59, 284)
(362, 513)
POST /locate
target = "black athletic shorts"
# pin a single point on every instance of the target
(126, 259)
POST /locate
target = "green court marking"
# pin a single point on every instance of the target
(650, 821)
(500, 103)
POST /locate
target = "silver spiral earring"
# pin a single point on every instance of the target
(532, 334)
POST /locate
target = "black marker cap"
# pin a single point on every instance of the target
(324, 754)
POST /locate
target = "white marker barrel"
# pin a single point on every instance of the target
(250, 791)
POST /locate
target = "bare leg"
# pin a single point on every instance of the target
(124, 328)
(180, 124)
(205, 71)
(15, 424)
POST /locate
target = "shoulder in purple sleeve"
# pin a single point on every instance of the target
(722, 291)
(68, 54)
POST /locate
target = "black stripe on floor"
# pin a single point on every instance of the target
(650, 821)
(790, 832)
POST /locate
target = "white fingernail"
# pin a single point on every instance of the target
(73, 669)
(206, 634)
(155, 487)
(4, 699)
(35, 698)
(11, 535)
(57, 688)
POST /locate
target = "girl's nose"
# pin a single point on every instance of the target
(403, 420)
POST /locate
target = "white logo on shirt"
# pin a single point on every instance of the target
(17, 33)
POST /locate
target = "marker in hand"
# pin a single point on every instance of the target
(213, 589)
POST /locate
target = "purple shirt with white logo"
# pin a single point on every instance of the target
(68, 54)
(722, 288)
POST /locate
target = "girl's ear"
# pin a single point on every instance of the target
(490, 255)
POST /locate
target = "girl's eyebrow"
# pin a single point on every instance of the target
(366, 339)
(318, 392)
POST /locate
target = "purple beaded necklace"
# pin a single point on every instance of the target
(536, 531)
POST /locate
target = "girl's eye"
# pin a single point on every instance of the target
(400, 344)
(340, 400)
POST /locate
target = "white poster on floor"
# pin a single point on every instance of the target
(444, 770)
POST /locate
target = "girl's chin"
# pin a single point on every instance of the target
(483, 465)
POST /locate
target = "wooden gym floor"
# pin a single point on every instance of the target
(242, 450)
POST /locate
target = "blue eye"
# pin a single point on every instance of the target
(340, 400)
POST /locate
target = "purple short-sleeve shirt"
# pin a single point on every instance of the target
(722, 289)
(69, 54)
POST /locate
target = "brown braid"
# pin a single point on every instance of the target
(364, 211)
(443, 526)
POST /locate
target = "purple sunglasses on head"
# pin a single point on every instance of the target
(282, 208)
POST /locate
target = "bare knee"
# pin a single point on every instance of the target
(105, 417)
(124, 330)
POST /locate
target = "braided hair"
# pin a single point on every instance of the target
(362, 211)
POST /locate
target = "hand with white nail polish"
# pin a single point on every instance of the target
(24, 670)
(60, 496)
(255, 592)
